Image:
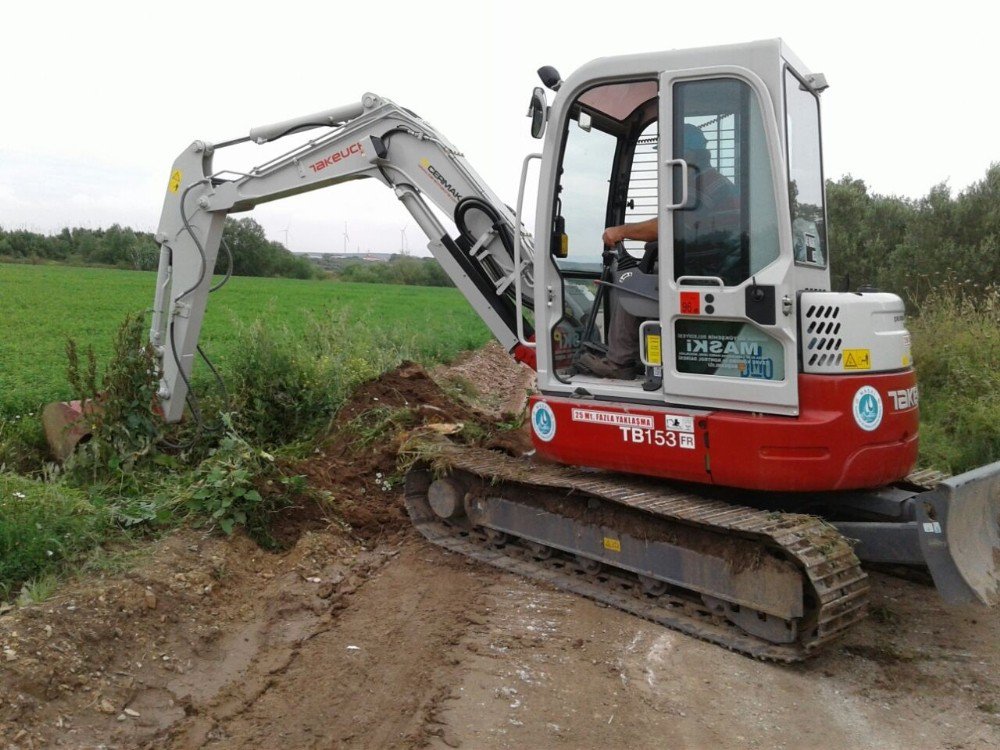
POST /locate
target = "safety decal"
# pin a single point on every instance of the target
(679, 423)
(175, 180)
(543, 421)
(614, 545)
(867, 408)
(616, 419)
(654, 352)
(857, 359)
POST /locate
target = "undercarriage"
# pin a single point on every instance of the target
(776, 586)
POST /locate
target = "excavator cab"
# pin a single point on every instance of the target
(724, 311)
(697, 147)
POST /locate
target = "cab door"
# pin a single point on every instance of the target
(726, 301)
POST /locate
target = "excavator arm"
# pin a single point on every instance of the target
(373, 138)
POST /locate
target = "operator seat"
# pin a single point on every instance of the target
(638, 286)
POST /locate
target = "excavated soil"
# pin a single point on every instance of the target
(362, 635)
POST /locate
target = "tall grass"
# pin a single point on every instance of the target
(956, 347)
(287, 384)
(43, 525)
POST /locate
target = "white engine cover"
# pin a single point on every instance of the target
(853, 332)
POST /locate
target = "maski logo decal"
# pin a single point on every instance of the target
(543, 421)
(867, 408)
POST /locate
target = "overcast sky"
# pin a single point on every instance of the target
(100, 97)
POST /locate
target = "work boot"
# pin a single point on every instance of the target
(602, 368)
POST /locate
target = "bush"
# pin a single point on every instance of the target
(239, 485)
(124, 423)
(956, 347)
(288, 384)
(42, 526)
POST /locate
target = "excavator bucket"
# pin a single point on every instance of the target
(959, 523)
(66, 426)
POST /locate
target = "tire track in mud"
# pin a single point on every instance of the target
(374, 672)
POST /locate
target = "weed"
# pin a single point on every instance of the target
(474, 433)
(226, 490)
(882, 652)
(460, 388)
(38, 589)
(122, 558)
(41, 526)
(124, 425)
(376, 423)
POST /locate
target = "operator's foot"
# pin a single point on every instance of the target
(602, 368)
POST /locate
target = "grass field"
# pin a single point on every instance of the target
(43, 306)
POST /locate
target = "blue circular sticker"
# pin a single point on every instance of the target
(867, 408)
(543, 421)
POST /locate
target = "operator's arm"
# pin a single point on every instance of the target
(645, 231)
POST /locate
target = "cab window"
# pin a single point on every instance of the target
(607, 175)
(805, 173)
(728, 228)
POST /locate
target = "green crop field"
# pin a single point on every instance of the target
(43, 306)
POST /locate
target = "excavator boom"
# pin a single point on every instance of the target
(374, 139)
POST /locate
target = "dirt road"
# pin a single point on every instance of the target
(371, 640)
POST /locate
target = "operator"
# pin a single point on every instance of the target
(710, 239)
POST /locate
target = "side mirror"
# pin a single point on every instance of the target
(538, 111)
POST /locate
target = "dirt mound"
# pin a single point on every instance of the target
(359, 468)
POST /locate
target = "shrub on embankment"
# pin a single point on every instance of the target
(956, 347)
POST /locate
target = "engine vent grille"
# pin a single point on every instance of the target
(821, 336)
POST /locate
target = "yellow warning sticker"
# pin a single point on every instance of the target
(175, 180)
(653, 353)
(612, 544)
(906, 360)
(857, 359)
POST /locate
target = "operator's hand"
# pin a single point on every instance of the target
(613, 235)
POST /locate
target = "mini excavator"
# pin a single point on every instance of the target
(766, 446)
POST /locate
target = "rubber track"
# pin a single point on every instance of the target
(830, 569)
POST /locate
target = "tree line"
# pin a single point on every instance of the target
(400, 269)
(122, 247)
(914, 246)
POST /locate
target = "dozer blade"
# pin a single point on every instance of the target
(959, 523)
